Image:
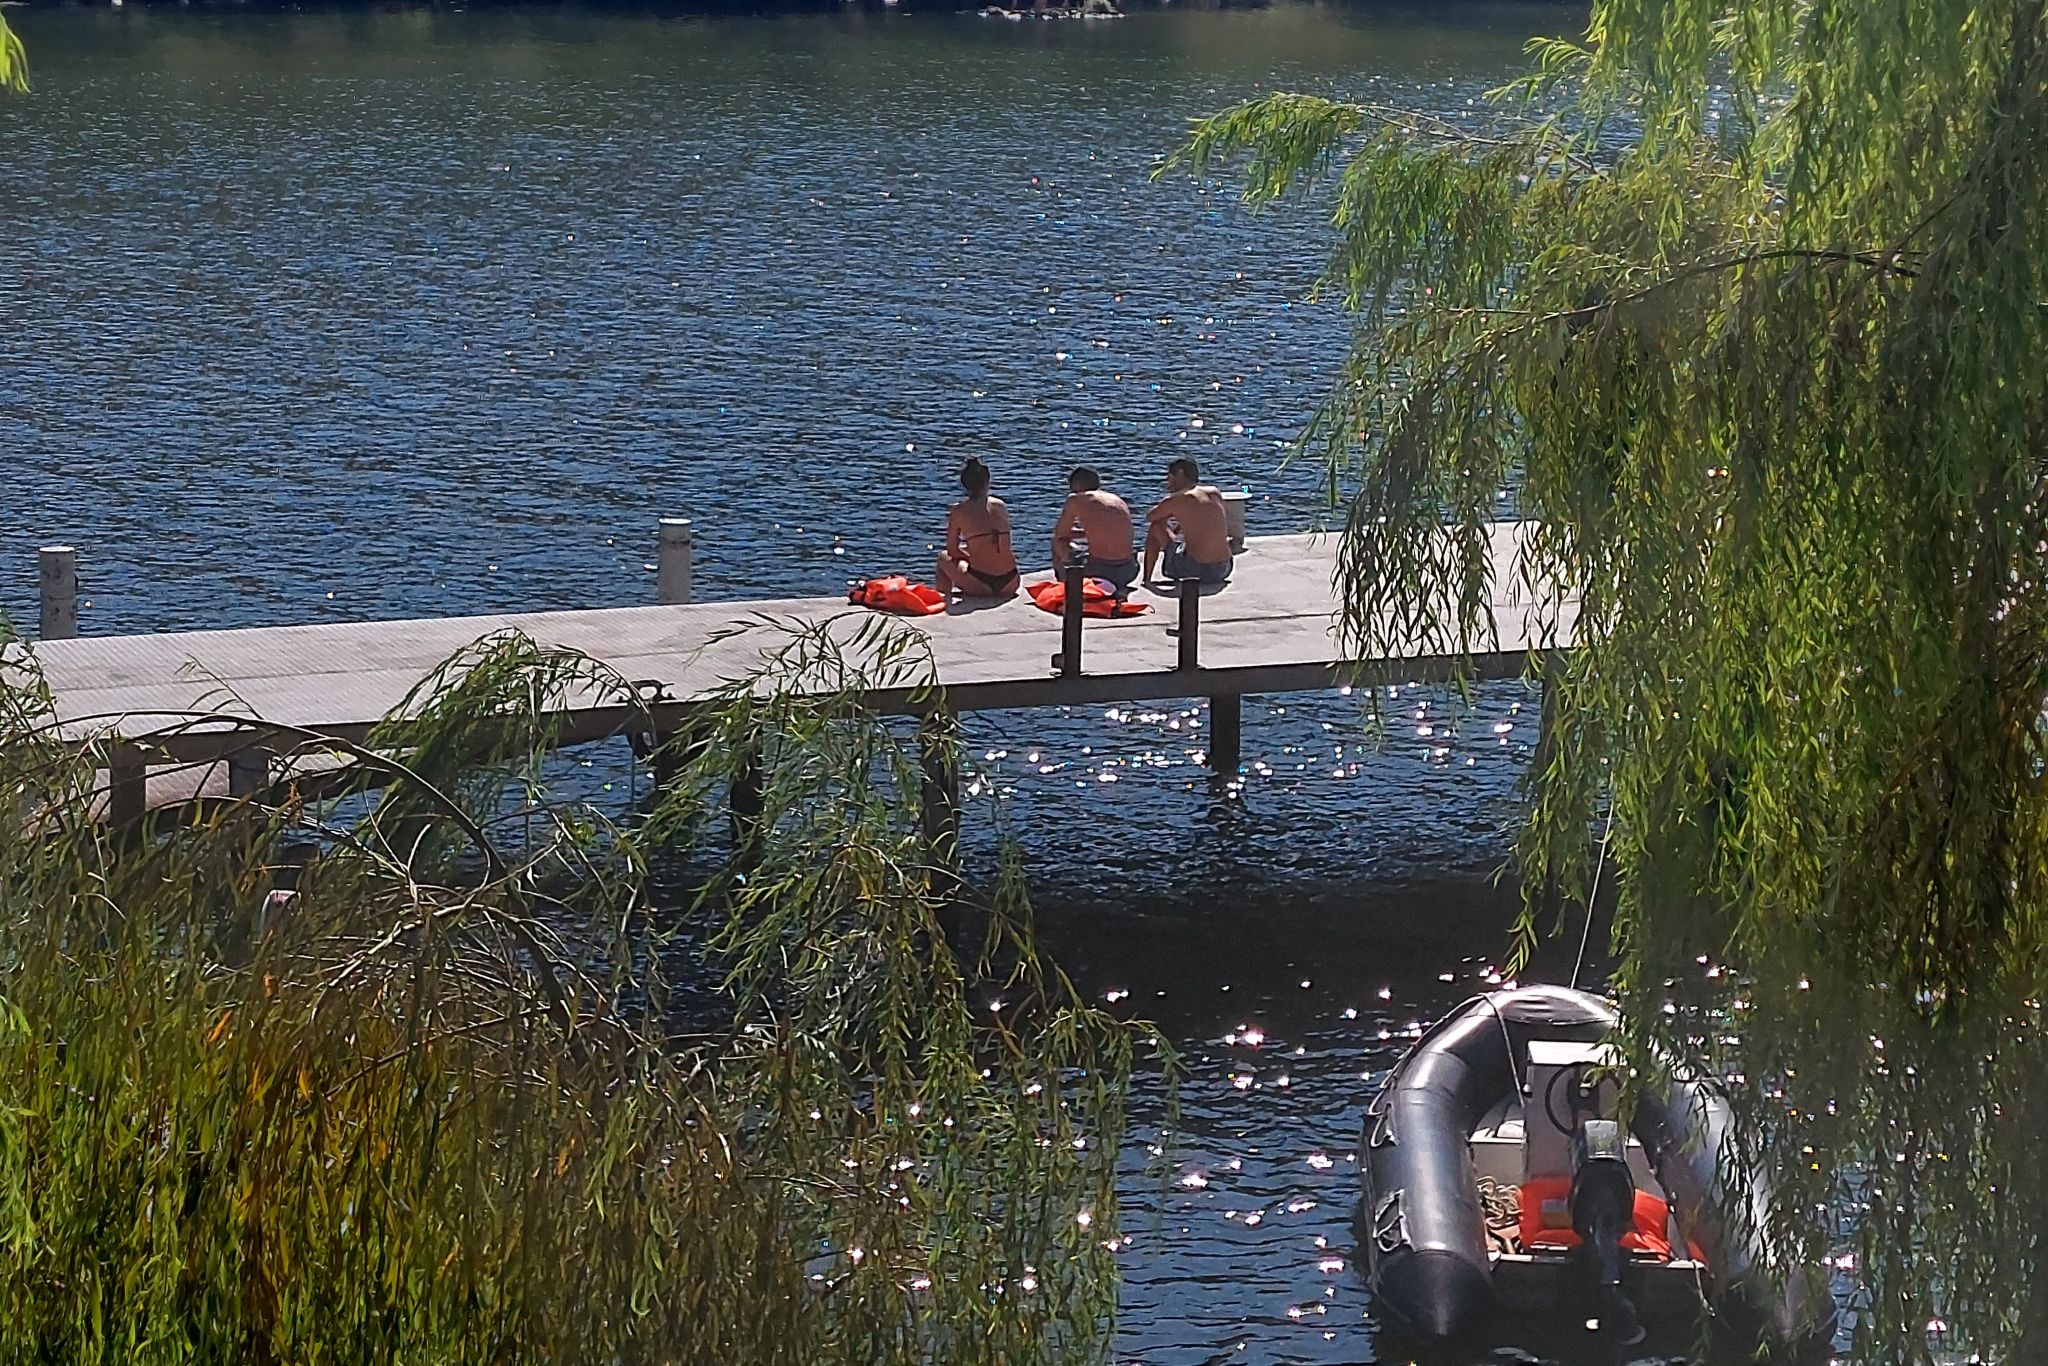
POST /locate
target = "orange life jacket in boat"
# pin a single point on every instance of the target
(895, 593)
(1547, 1220)
(1096, 600)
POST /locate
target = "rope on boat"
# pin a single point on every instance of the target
(1500, 1204)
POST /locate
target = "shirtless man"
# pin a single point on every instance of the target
(1101, 520)
(1188, 526)
(976, 559)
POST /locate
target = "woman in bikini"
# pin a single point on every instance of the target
(976, 559)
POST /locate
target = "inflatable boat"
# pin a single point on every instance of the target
(1501, 1186)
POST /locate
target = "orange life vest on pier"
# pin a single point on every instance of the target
(1096, 601)
(896, 593)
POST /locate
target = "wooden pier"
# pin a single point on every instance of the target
(1271, 629)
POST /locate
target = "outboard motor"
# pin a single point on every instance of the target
(1574, 1136)
(1603, 1204)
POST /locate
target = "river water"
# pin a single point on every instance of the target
(349, 315)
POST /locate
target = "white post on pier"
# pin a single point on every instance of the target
(59, 573)
(672, 562)
(1234, 502)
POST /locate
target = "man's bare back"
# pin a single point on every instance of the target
(1105, 522)
(1199, 511)
(1188, 527)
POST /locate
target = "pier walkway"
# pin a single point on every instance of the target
(1271, 629)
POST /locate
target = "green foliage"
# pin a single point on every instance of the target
(1747, 302)
(13, 60)
(474, 1094)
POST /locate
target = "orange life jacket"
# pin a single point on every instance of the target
(1096, 601)
(895, 593)
(1547, 1220)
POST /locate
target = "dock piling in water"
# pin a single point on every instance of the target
(938, 738)
(58, 570)
(672, 562)
(744, 798)
(1226, 731)
(248, 771)
(127, 786)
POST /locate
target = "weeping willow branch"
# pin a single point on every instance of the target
(13, 60)
(1786, 490)
(477, 1040)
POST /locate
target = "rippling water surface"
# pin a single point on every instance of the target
(338, 316)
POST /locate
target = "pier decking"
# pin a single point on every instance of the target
(1270, 630)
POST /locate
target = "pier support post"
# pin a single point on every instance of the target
(672, 562)
(1549, 896)
(1226, 735)
(1072, 578)
(666, 759)
(127, 786)
(677, 750)
(1546, 723)
(1190, 623)
(57, 567)
(1549, 670)
(652, 746)
(744, 796)
(248, 771)
(939, 809)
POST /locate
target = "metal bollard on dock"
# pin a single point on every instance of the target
(58, 565)
(1190, 623)
(672, 562)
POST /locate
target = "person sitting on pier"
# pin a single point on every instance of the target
(1095, 518)
(1188, 528)
(976, 559)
